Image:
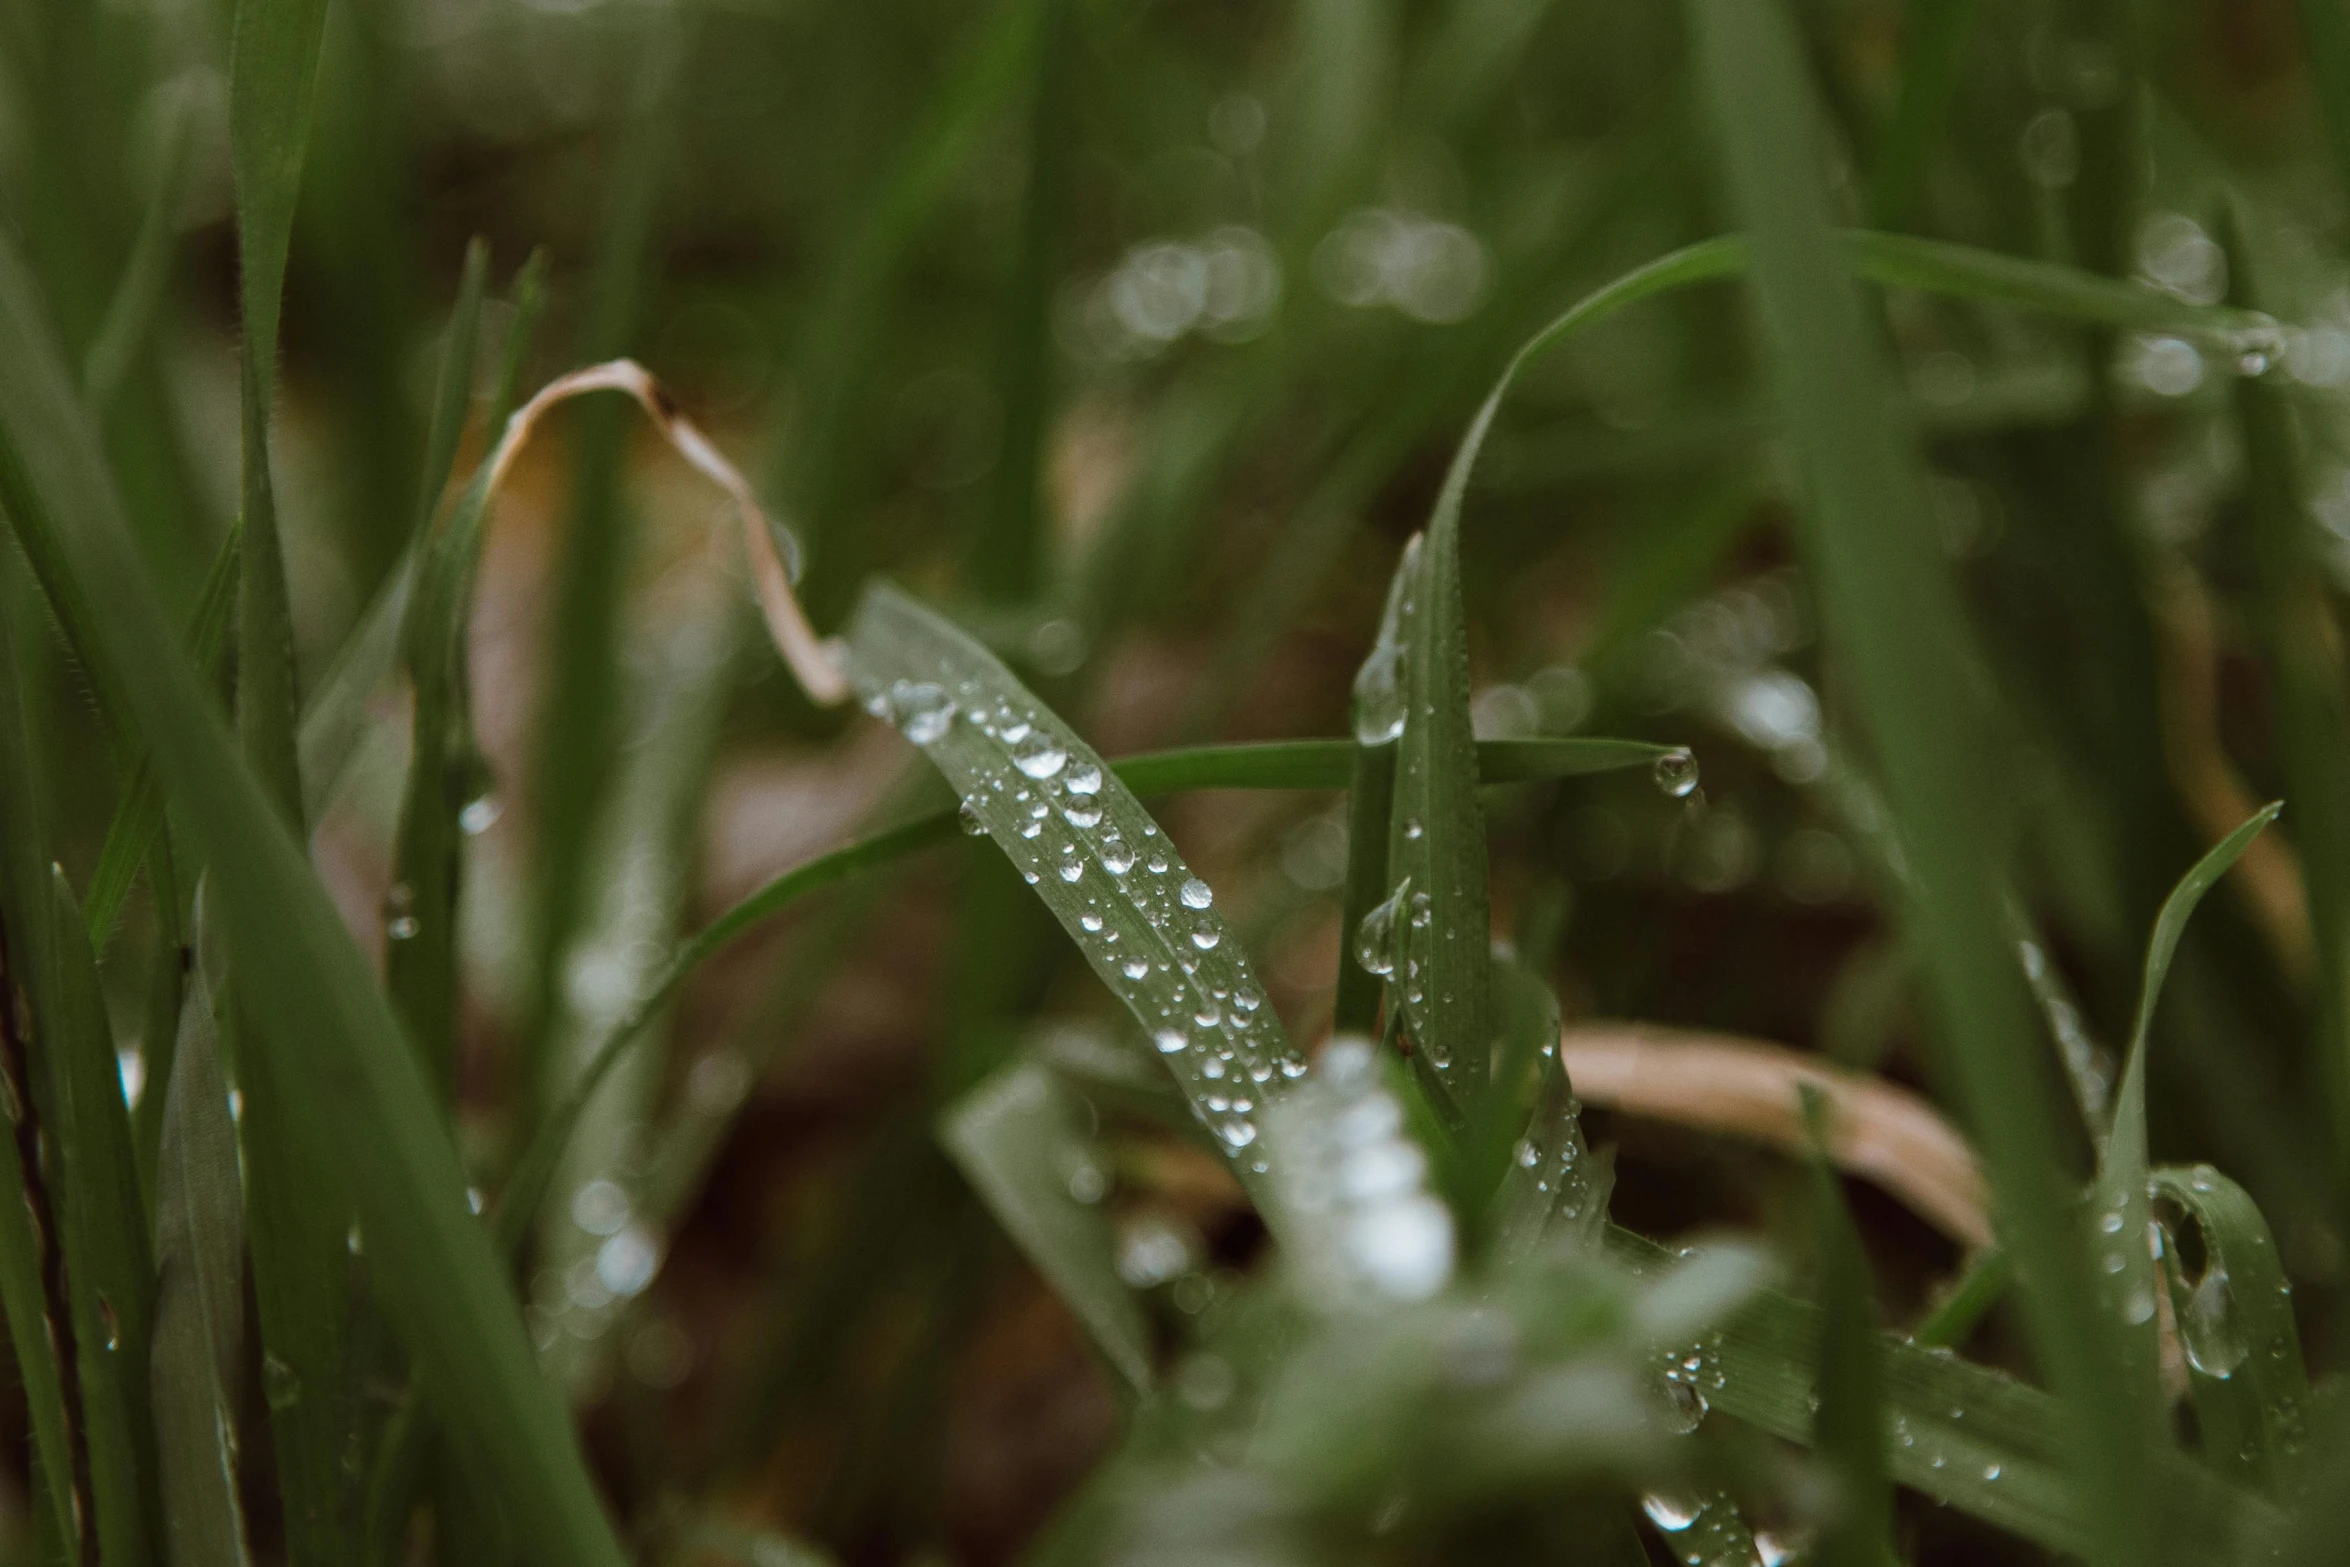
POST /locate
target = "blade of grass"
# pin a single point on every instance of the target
(320, 1019)
(2127, 1266)
(132, 835)
(1018, 1138)
(1894, 617)
(199, 1301)
(2236, 1324)
(1848, 1429)
(130, 315)
(38, 1329)
(1145, 924)
(1966, 1436)
(103, 1227)
(1436, 829)
(420, 961)
(1934, 35)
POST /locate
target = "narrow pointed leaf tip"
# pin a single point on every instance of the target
(810, 660)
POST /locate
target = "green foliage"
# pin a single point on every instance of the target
(597, 1046)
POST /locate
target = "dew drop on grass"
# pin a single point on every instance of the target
(1196, 894)
(1040, 758)
(1206, 937)
(1237, 1134)
(1171, 1041)
(968, 819)
(1675, 773)
(1072, 869)
(1669, 1512)
(479, 814)
(1685, 1406)
(1085, 779)
(1117, 859)
(1091, 922)
(2208, 1329)
(1136, 968)
(1412, 828)
(1082, 816)
(1375, 937)
(1156, 865)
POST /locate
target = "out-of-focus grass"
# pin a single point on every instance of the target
(1929, 358)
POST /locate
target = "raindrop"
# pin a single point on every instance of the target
(1668, 1512)
(1072, 869)
(2208, 1329)
(1136, 968)
(1686, 1406)
(1082, 815)
(1117, 859)
(1156, 865)
(1528, 1155)
(924, 711)
(1196, 894)
(1091, 922)
(1412, 828)
(1170, 1040)
(968, 819)
(1675, 773)
(111, 1321)
(1238, 1134)
(1040, 758)
(1084, 779)
(1206, 937)
(478, 815)
(1375, 937)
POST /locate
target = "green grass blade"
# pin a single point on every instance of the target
(1976, 1292)
(320, 1019)
(36, 1330)
(336, 714)
(1895, 621)
(2125, 1264)
(103, 1226)
(199, 1300)
(1848, 1429)
(2236, 1325)
(1370, 803)
(130, 315)
(1966, 1436)
(1436, 827)
(1145, 924)
(2325, 30)
(1934, 36)
(1019, 1140)
(421, 959)
(1556, 1184)
(132, 834)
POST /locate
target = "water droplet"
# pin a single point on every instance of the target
(1990, 1471)
(2111, 1224)
(1040, 758)
(1237, 1134)
(1685, 1406)
(1082, 816)
(1528, 1155)
(1668, 1512)
(1170, 1041)
(924, 711)
(479, 814)
(1156, 865)
(968, 819)
(1087, 1183)
(1206, 937)
(1196, 894)
(403, 928)
(2208, 1329)
(1084, 779)
(1072, 869)
(1032, 831)
(1675, 773)
(1136, 968)
(1091, 922)
(1379, 697)
(111, 1322)
(1375, 936)
(1412, 828)
(1117, 859)
(1014, 731)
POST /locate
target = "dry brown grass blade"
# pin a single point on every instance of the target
(1883, 1134)
(811, 661)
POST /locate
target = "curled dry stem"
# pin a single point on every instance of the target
(811, 661)
(1720, 1083)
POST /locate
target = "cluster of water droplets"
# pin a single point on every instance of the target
(1691, 1375)
(1145, 922)
(1703, 1529)
(1361, 1226)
